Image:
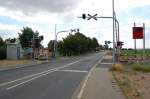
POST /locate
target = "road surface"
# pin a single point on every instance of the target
(57, 79)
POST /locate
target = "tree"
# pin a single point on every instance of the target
(106, 46)
(2, 42)
(26, 36)
(75, 44)
(11, 40)
(51, 45)
(2, 49)
(95, 43)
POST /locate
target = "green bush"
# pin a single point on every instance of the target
(141, 67)
(146, 69)
(2, 52)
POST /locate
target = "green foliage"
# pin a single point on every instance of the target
(51, 45)
(26, 35)
(11, 40)
(131, 52)
(2, 52)
(2, 43)
(77, 44)
(106, 46)
(141, 67)
(2, 49)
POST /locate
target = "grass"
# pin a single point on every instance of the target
(141, 67)
(132, 52)
(126, 85)
(14, 62)
(117, 67)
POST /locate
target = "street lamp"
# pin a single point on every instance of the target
(56, 34)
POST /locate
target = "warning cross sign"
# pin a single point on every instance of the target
(137, 32)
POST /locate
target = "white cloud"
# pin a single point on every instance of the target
(31, 7)
(8, 31)
(41, 17)
(121, 5)
(65, 13)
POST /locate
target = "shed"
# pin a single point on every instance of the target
(14, 51)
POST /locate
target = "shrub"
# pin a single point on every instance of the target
(2, 52)
(146, 69)
(117, 67)
(141, 67)
(136, 67)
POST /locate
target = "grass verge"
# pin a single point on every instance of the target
(141, 67)
(126, 86)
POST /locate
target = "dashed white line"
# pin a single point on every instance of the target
(78, 71)
(107, 63)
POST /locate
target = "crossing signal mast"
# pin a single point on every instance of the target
(119, 44)
(36, 45)
(83, 16)
(88, 16)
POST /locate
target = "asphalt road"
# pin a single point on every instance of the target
(57, 79)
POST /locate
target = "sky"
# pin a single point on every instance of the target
(42, 15)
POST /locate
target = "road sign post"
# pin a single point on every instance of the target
(143, 40)
(139, 33)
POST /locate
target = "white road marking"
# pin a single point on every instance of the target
(107, 63)
(79, 96)
(30, 80)
(44, 75)
(78, 71)
(38, 74)
(26, 77)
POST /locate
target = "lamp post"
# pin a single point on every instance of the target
(56, 34)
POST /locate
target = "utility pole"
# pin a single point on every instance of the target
(113, 12)
(54, 43)
(33, 46)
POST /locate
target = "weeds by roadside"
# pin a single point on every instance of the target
(117, 67)
(126, 86)
(141, 67)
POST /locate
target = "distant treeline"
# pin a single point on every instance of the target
(75, 44)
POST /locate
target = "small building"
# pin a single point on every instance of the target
(14, 51)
